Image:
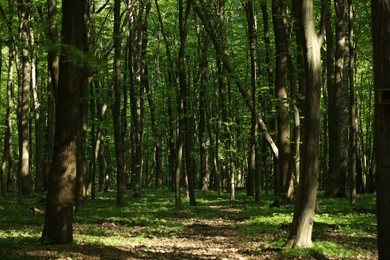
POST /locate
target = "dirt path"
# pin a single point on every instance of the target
(203, 239)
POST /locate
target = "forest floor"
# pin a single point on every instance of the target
(151, 228)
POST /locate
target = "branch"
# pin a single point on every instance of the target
(229, 68)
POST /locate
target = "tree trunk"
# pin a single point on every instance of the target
(81, 179)
(380, 15)
(203, 14)
(145, 83)
(136, 71)
(8, 176)
(25, 179)
(338, 133)
(203, 42)
(184, 127)
(303, 219)
(283, 120)
(58, 227)
(38, 121)
(121, 178)
(252, 184)
(52, 86)
(353, 147)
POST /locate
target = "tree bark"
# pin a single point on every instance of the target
(52, 85)
(25, 179)
(338, 133)
(7, 159)
(281, 71)
(203, 42)
(303, 219)
(252, 184)
(380, 15)
(353, 144)
(118, 136)
(58, 226)
(184, 131)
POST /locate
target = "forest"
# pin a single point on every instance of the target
(195, 129)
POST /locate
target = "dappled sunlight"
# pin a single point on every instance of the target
(151, 227)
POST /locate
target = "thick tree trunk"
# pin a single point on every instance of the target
(58, 227)
(380, 14)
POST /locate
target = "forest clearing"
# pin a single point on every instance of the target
(151, 227)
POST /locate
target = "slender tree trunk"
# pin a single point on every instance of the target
(252, 184)
(183, 136)
(203, 14)
(353, 145)
(283, 120)
(144, 84)
(156, 138)
(52, 86)
(330, 76)
(136, 69)
(25, 179)
(152, 106)
(38, 123)
(380, 15)
(338, 133)
(58, 227)
(81, 179)
(8, 176)
(269, 76)
(121, 178)
(203, 42)
(303, 219)
(171, 82)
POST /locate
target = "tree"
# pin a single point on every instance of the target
(283, 120)
(58, 226)
(253, 183)
(203, 42)
(24, 179)
(338, 132)
(52, 85)
(380, 15)
(303, 219)
(7, 158)
(118, 136)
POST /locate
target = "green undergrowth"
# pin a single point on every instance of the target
(341, 230)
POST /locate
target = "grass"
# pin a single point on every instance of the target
(341, 231)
